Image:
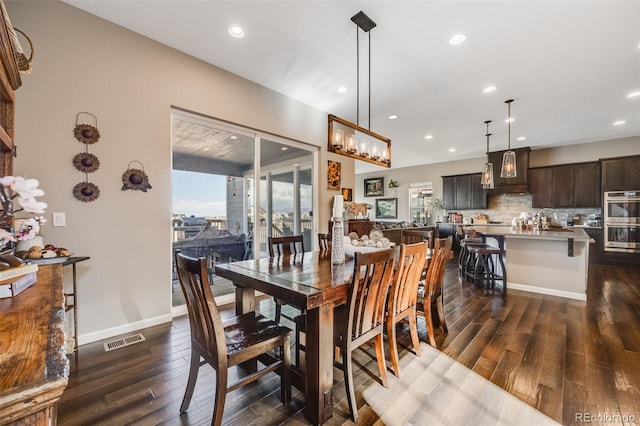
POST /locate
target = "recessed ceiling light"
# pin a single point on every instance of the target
(522, 138)
(619, 122)
(236, 32)
(633, 95)
(234, 137)
(429, 136)
(393, 117)
(510, 120)
(457, 39)
(342, 89)
(452, 150)
(489, 89)
(284, 148)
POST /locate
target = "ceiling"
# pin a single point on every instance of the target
(568, 65)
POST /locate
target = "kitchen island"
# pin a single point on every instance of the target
(552, 262)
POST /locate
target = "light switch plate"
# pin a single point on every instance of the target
(59, 219)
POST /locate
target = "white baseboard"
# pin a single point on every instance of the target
(549, 291)
(122, 329)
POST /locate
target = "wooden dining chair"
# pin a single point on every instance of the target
(362, 318)
(284, 247)
(412, 236)
(433, 296)
(324, 241)
(403, 297)
(244, 338)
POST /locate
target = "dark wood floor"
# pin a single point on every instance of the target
(564, 357)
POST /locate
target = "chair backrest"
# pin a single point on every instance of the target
(412, 236)
(324, 241)
(372, 275)
(285, 246)
(404, 289)
(435, 274)
(207, 330)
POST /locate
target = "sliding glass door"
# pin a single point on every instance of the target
(215, 169)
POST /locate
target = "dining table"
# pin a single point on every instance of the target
(311, 283)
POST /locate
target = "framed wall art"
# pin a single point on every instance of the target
(333, 175)
(347, 194)
(387, 208)
(374, 187)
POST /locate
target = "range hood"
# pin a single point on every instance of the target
(516, 185)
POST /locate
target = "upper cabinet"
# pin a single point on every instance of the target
(621, 174)
(9, 81)
(516, 185)
(568, 186)
(463, 192)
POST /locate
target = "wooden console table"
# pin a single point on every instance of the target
(35, 368)
(74, 305)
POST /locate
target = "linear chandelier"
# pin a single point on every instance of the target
(350, 139)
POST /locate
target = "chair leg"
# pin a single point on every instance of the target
(278, 311)
(191, 382)
(429, 322)
(393, 344)
(382, 365)
(413, 331)
(348, 382)
(221, 394)
(285, 377)
(440, 307)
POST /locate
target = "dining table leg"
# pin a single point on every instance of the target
(245, 300)
(319, 364)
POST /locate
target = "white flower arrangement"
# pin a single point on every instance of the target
(24, 192)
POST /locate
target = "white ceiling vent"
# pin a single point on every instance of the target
(122, 342)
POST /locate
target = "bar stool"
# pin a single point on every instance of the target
(466, 259)
(484, 270)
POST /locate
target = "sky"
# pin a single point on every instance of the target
(203, 194)
(199, 194)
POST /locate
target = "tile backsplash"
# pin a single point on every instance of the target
(503, 208)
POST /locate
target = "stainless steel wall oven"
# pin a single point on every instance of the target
(622, 221)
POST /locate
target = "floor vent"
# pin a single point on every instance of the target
(122, 342)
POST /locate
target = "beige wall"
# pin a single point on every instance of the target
(434, 172)
(83, 63)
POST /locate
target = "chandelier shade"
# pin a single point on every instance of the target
(509, 167)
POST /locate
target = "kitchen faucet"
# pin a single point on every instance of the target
(546, 209)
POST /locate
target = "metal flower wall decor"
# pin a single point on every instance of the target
(135, 179)
(85, 162)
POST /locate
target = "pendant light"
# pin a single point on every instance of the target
(487, 172)
(509, 168)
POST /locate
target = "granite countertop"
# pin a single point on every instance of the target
(509, 232)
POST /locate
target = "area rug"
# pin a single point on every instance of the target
(436, 390)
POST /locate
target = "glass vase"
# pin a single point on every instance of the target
(337, 241)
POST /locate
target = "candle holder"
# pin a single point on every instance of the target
(337, 241)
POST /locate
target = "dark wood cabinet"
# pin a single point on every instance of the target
(562, 186)
(463, 192)
(621, 174)
(518, 184)
(449, 192)
(587, 182)
(444, 230)
(540, 187)
(596, 248)
(566, 186)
